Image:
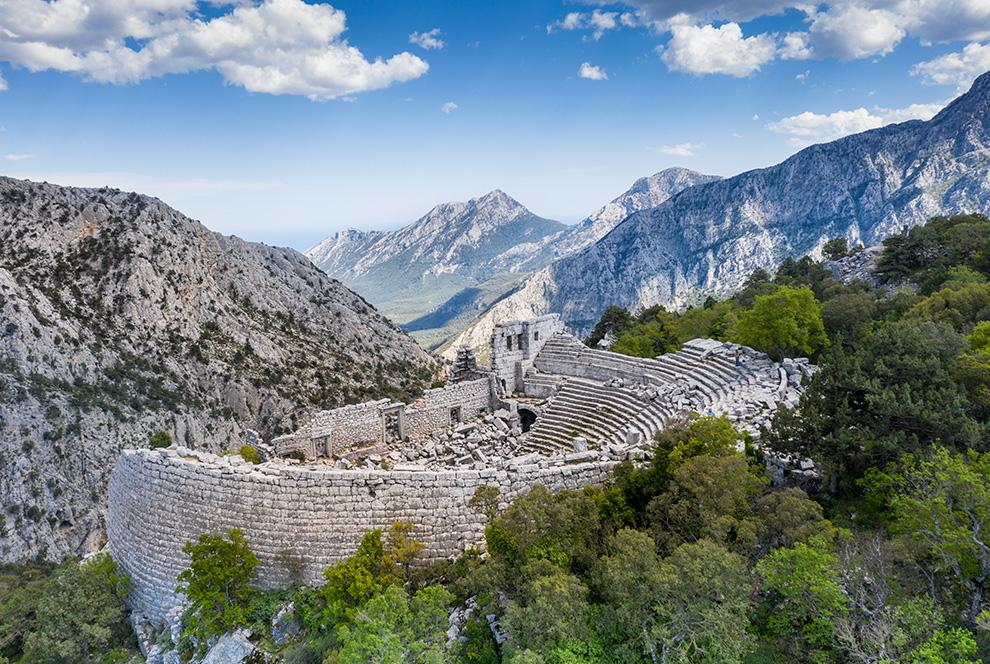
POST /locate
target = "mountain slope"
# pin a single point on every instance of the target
(707, 239)
(122, 317)
(645, 193)
(408, 272)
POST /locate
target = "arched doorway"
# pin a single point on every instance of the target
(527, 418)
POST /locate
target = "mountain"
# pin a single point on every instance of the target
(645, 193)
(707, 239)
(408, 272)
(439, 274)
(121, 318)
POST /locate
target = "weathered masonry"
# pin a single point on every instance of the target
(298, 519)
(380, 423)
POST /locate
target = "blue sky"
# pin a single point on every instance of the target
(272, 120)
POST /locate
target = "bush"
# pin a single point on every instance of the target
(159, 440)
(249, 454)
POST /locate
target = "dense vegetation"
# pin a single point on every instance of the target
(73, 613)
(695, 555)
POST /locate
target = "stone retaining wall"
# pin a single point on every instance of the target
(298, 519)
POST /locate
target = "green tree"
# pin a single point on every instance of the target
(651, 335)
(835, 249)
(803, 599)
(711, 498)
(485, 501)
(785, 323)
(381, 561)
(81, 615)
(564, 528)
(392, 629)
(20, 588)
(613, 321)
(869, 403)
(552, 613)
(709, 436)
(690, 607)
(217, 583)
(941, 501)
(961, 308)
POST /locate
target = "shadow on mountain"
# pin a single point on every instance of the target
(446, 312)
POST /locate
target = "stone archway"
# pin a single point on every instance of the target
(527, 418)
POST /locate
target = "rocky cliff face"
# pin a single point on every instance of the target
(456, 245)
(707, 239)
(121, 317)
(645, 193)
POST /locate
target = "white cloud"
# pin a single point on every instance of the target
(659, 11)
(680, 149)
(958, 69)
(598, 22)
(847, 29)
(592, 72)
(449, 107)
(275, 47)
(427, 40)
(795, 46)
(808, 128)
(723, 50)
(18, 157)
(853, 31)
(803, 76)
(3, 83)
(756, 116)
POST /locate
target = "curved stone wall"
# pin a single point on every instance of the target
(298, 519)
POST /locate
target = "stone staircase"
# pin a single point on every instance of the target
(590, 410)
(606, 394)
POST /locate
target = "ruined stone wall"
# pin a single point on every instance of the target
(298, 519)
(514, 344)
(331, 431)
(432, 411)
(341, 428)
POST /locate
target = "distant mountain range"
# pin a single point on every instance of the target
(120, 317)
(438, 274)
(708, 238)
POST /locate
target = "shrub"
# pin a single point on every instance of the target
(249, 454)
(160, 439)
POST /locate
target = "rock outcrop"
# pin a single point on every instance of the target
(121, 317)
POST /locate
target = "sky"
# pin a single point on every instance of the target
(283, 121)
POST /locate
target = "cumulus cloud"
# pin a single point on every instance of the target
(597, 22)
(853, 31)
(808, 128)
(723, 50)
(3, 83)
(846, 29)
(592, 72)
(427, 40)
(680, 149)
(449, 107)
(958, 69)
(18, 157)
(275, 47)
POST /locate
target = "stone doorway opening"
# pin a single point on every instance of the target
(527, 418)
